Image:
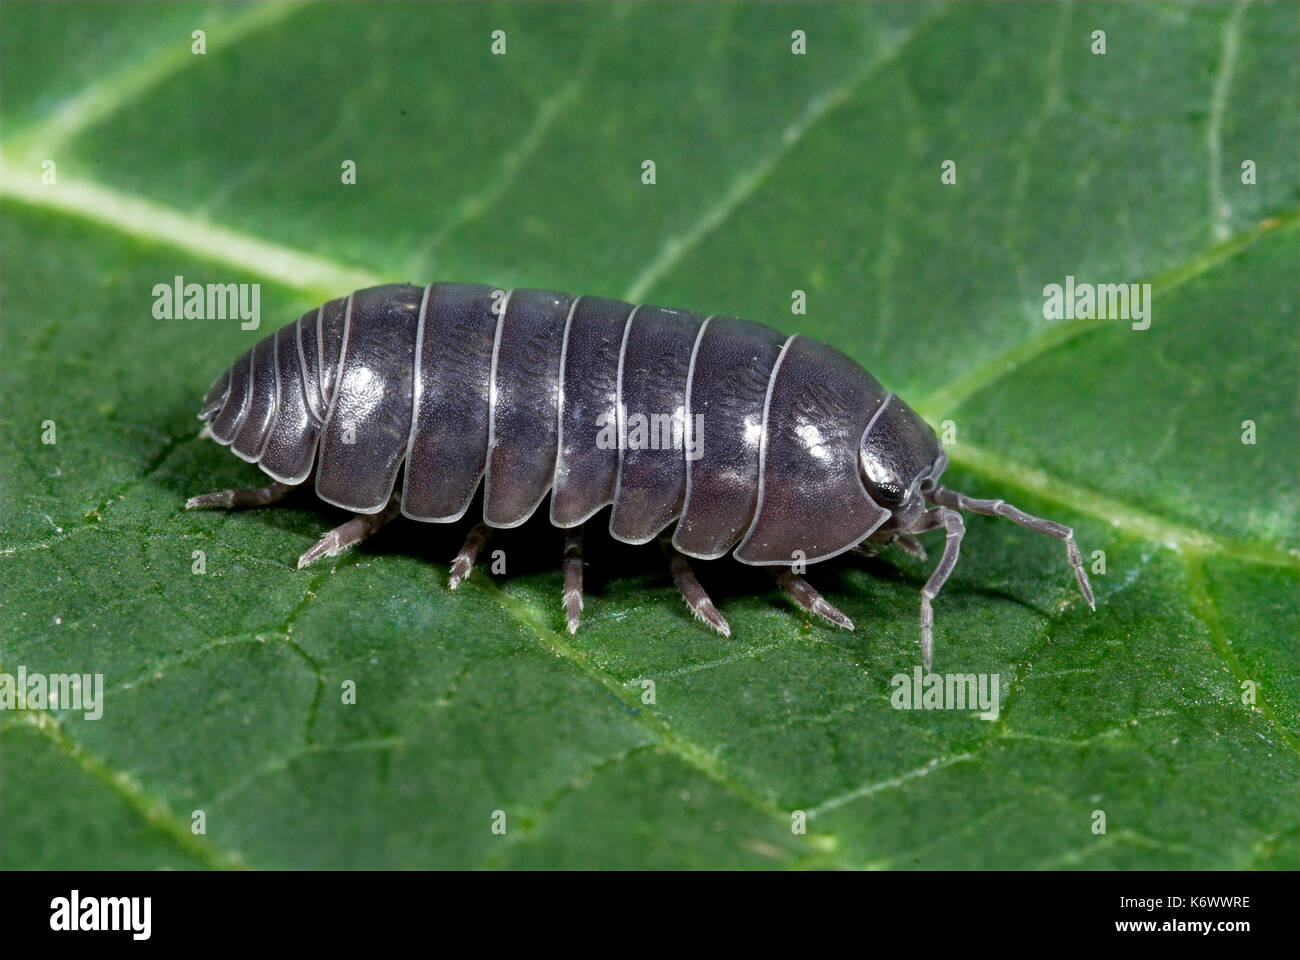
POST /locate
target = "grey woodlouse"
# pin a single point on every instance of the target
(803, 455)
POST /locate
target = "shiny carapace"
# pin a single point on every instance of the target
(711, 435)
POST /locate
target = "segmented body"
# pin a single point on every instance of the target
(780, 449)
(757, 442)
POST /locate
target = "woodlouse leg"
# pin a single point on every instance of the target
(802, 592)
(692, 592)
(347, 534)
(238, 497)
(573, 577)
(463, 565)
(1000, 508)
(911, 545)
(951, 521)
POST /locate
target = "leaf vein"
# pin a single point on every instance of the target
(675, 248)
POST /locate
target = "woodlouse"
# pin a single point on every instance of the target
(802, 454)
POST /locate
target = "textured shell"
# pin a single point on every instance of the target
(521, 391)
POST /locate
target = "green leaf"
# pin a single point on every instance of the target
(775, 172)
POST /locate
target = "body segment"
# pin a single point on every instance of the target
(447, 449)
(654, 364)
(523, 405)
(367, 429)
(726, 394)
(586, 470)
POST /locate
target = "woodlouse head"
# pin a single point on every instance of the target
(898, 454)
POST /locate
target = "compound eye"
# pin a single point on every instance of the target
(883, 483)
(891, 492)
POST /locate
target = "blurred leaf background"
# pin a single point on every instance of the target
(775, 172)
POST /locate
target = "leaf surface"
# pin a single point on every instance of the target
(775, 173)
